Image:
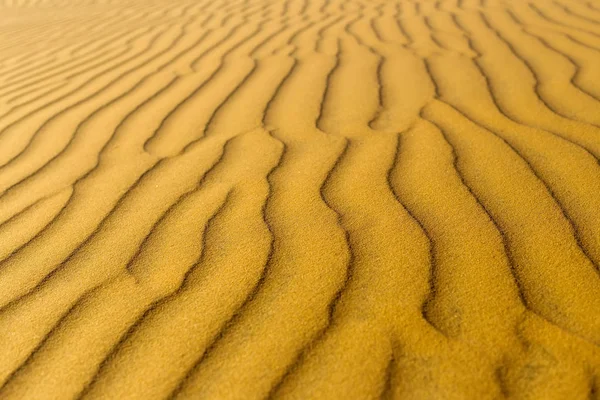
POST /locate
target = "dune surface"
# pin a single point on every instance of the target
(299, 199)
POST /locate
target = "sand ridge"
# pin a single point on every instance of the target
(304, 199)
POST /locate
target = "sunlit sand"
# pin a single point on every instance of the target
(299, 199)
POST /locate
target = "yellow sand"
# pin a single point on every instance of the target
(299, 199)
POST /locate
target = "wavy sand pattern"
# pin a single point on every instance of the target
(303, 199)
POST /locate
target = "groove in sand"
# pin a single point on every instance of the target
(299, 199)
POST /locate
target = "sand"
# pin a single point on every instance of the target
(299, 199)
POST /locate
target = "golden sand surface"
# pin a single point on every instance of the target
(299, 199)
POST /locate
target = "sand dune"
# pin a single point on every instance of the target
(299, 199)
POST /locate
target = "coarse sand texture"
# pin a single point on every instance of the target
(300, 199)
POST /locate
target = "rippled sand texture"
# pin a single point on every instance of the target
(304, 199)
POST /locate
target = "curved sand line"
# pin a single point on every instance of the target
(311, 199)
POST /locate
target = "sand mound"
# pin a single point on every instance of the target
(308, 199)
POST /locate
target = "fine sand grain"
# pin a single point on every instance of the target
(299, 199)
